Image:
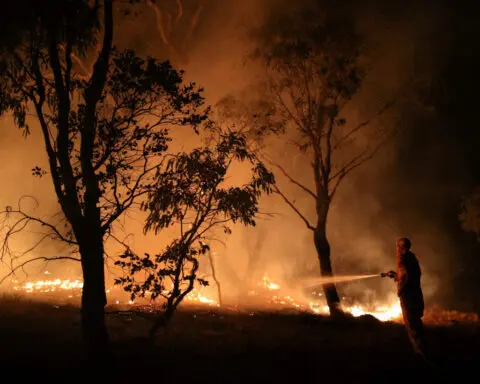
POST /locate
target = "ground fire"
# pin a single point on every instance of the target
(267, 293)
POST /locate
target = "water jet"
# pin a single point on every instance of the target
(336, 279)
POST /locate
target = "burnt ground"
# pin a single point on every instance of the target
(42, 342)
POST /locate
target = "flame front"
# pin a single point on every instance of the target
(269, 284)
(389, 312)
(52, 285)
(382, 313)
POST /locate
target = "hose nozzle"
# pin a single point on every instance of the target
(390, 274)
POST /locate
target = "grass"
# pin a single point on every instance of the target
(42, 341)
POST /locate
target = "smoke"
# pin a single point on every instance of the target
(376, 204)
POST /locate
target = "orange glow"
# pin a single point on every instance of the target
(271, 294)
(51, 285)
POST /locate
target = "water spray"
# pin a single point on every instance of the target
(342, 279)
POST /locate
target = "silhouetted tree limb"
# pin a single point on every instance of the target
(190, 193)
(25, 219)
(313, 70)
(105, 136)
(34, 260)
(294, 208)
(348, 135)
(17, 221)
(293, 181)
(214, 276)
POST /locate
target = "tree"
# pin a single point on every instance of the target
(312, 60)
(254, 254)
(192, 192)
(104, 135)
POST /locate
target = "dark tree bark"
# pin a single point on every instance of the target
(323, 252)
(100, 148)
(254, 256)
(94, 299)
(314, 69)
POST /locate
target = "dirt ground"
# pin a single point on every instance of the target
(42, 342)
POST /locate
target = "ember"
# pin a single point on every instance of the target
(387, 312)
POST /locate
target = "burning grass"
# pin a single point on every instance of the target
(266, 295)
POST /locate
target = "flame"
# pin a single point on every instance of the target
(52, 285)
(388, 312)
(198, 297)
(46, 286)
(267, 283)
(382, 313)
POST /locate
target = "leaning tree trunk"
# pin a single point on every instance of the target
(254, 258)
(323, 252)
(94, 299)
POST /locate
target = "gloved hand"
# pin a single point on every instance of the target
(390, 274)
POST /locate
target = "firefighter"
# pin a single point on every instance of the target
(409, 291)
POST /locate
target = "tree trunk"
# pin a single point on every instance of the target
(215, 278)
(94, 298)
(323, 251)
(254, 257)
(161, 322)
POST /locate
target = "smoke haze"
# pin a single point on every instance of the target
(400, 192)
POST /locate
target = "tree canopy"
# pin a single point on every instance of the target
(191, 191)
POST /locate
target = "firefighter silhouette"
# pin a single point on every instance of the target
(409, 290)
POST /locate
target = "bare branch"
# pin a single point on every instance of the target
(214, 276)
(68, 60)
(289, 112)
(292, 180)
(306, 80)
(295, 209)
(63, 104)
(328, 155)
(354, 163)
(45, 259)
(20, 224)
(363, 124)
(52, 155)
(119, 241)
